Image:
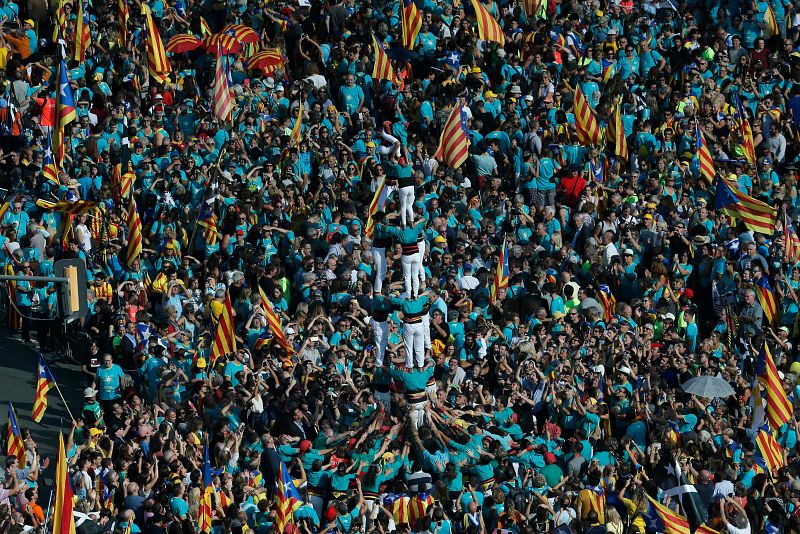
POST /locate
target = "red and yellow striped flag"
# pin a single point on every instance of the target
(589, 132)
(124, 14)
(297, 127)
(14, 444)
(707, 169)
(454, 142)
(768, 300)
(157, 62)
(223, 103)
(674, 523)
(770, 450)
(705, 529)
(616, 133)
(65, 206)
(791, 241)
(274, 322)
(60, 26)
(134, 232)
(533, 9)
(756, 215)
(382, 69)
(500, 280)
(488, 28)
(225, 336)
(83, 34)
(770, 23)
(63, 520)
(205, 29)
(369, 228)
(778, 408)
(411, 22)
(44, 382)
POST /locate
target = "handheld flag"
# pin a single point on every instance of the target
(586, 124)
(83, 35)
(454, 142)
(63, 520)
(369, 229)
(224, 338)
(49, 169)
(157, 62)
(501, 272)
(770, 23)
(44, 383)
(607, 299)
(223, 104)
(124, 14)
(488, 28)
(616, 133)
(792, 242)
(756, 215)
(770, 450)
(707, 170)
(289, 499)
(533, 9)
(65, 101)
(207, 220)
(274, 322)
(206, 508)
(659, 518)
(15, 445)
(748, 146)
(767, 299)
(411, 22)
(778, 408)
(382, 69)
(134, 232)
(297, 127)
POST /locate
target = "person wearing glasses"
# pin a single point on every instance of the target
(16, 218)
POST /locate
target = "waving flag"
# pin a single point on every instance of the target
(44, 383)
(205, 29)
(274, 322)
(607, 299)
(778, 408)
(206, 507)
(157, 62)
(707, 170)
(756, 215)
(382, 69)
(767, 299)
(501, 272)
(65, 206)
(124, 14)
(65, 102)
(369, 228)
(134, 233)
(83, 34)
(704, 529)
(770, 450)
(533, 9)
(60, 26)
(223, 103)
(792, 242)
(488, 28)
(208, 221)
(288, 499)
(225, 337)
(770, 23)
(297, 127)
(63, 520)
(49, 169)
(411, 22)
(589, 132)
(748, 146)
(659, 518)
(616, 133)
(15, 446)
(454, 143)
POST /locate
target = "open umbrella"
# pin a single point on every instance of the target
(225, 42)
(244, 34)
(708, 386)
(183, 42)
(266, 61)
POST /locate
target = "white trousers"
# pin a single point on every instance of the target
(411, 274)
(416, 413)
(380, 333)
(426, 330)
(414, 343)
(407, 204)
(379, 263)
(420, 261)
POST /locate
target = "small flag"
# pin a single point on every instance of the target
(225, 337)
(792, 242)
(748, 146)
(589, 132)
(770, 23)
(83, 35)
(756, 215)
(206, 509)
(369, 229)
(768, 300)
(134, 233)
(15, 446)
(659, 518)
(770, 450)
(454, 141)
(382, 69)
(297, 127)
(124, 14)
(488, 28)
(778, 408)
(501, 272)
(616, 133)
(275, 323)
(65, 101)
(607, 299)
(49, 169)
(533, 9)
(44, 383)
(63, 520)
(411, 22)
(223, 103)
(288, 499)
(157, 61)
(208, 222)
(707, 170)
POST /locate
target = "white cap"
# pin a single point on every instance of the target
(303, 3)
(669, 315)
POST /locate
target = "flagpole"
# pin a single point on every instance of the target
(66, 406)
(49, 506)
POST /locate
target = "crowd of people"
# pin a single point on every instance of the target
(498, 347)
